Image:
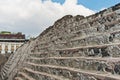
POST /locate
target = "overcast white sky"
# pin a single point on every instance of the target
(32, 16)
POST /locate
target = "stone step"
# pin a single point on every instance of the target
(92, 26)
(97, 34)
(87, 36)
(104, 50)
(4, 69)
(6, 66)
(9, 62)
(39, 54)
(107, 24)
(3, 73)
(18, 78)
(97, 39)
(72, 73)
(90, 46)
(110, 65)
(25, 76)
(37, 75)
(44, 47)
(91, 40)
(1, 76)
(92, 35)
(101, 20)
(96, 20)
(107, 59)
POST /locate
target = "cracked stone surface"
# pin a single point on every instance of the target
(74, 48)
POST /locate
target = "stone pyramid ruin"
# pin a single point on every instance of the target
(74, 48)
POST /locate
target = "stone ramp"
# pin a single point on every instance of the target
(74, 48)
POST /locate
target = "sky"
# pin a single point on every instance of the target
(31, 17)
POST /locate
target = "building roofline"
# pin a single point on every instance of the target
(14, 40)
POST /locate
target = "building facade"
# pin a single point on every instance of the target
(9, 42)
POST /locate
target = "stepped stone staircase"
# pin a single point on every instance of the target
(74, 48)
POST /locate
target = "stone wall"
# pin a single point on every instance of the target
(74, 48)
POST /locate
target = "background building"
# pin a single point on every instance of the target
(9, 42)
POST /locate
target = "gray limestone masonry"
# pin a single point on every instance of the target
(74, 48)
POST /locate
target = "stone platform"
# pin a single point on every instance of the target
(74, 48)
